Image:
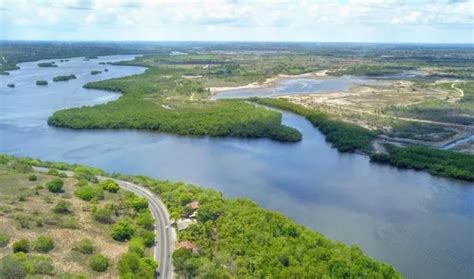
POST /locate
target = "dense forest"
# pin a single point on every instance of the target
(438, 162)
(236, 238)
(344, 136)
(161, 100)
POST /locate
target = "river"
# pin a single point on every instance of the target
(421, 224)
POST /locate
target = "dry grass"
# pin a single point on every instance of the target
(40, 207)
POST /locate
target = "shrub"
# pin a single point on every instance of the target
(21, 167)
(123, 230)
(12, 267)
(82, 182)
(53, 172)
(32, 177)
(42, 265)
(4, 239)
(135, 245)
(21, 245)
(110, 185)
(62, 207)
(69, 275)
(103, 215)
(23, 221)
(55, 185)
(89, 192)
(98, 263)
(43, 244)
(84, 246)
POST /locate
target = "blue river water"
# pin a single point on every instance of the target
(421, 224)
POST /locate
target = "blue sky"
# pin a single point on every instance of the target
(443, 21)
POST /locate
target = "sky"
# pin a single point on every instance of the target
(415, 21)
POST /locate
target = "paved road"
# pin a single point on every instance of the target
(164, 249)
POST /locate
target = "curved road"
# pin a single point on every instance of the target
(164, 249)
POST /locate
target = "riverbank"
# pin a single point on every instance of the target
(348, 137)
(236, 220)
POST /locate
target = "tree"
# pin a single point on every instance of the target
(55, 185)
(131, 265)
(110, 185)
(89, 192)
(32, 177)
(87, 173)
(145, 220)
(135, 245)
(21, 245)
(43, 244)
(137, 203)
(62, 207)
(148, 237)
(123, 230)
(98, 263)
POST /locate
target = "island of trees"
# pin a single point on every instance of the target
(41, 82)
(64, 78)
(47, 64)
(96, 72)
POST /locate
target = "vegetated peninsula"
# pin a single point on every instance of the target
(64, 78)
(162, 100)
(228, 238)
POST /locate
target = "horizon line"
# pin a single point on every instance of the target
(236, 41)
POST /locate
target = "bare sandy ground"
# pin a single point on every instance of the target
(269, 82)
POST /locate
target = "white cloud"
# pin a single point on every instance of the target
(243, 19)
